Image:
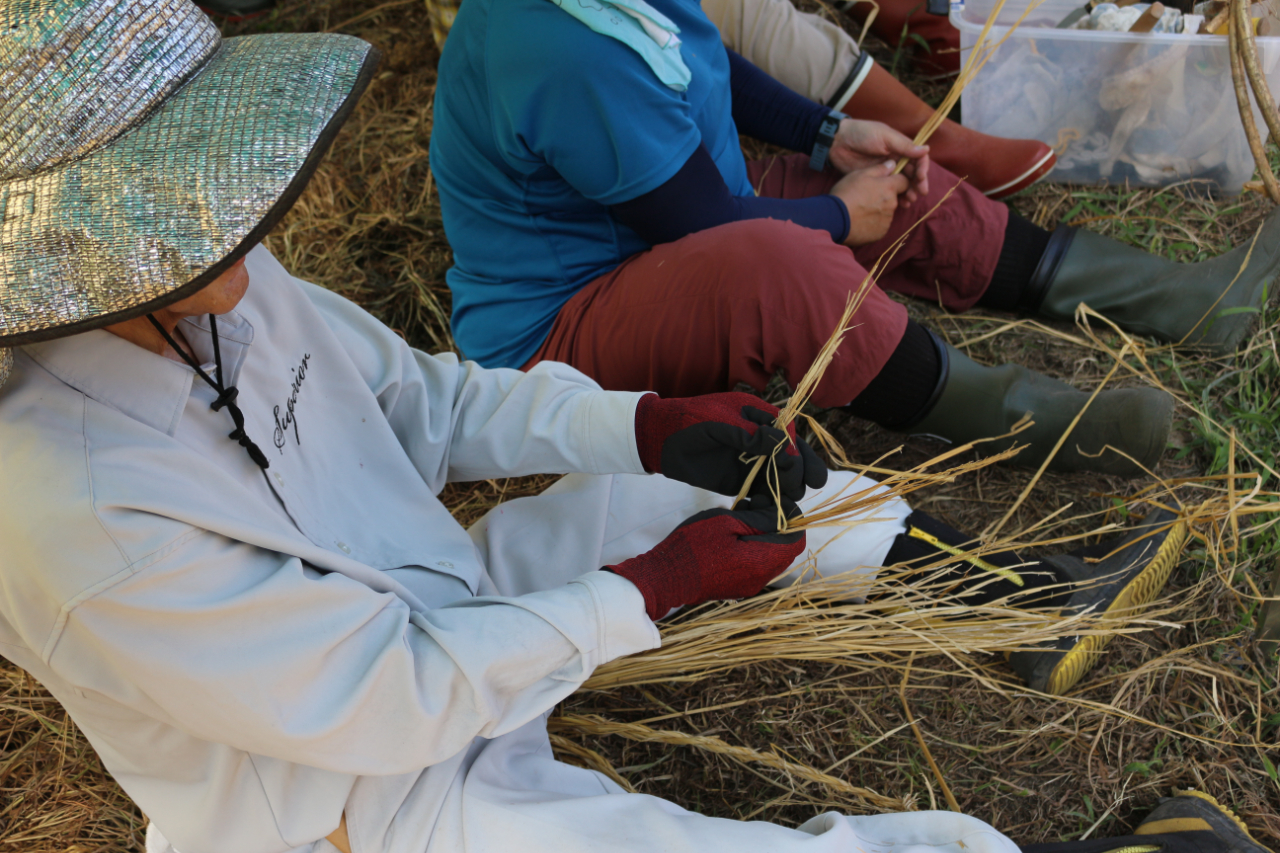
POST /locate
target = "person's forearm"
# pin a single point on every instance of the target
(696, 198)
(766, 110)
(459, 421)
(550, 419)
(433, 679)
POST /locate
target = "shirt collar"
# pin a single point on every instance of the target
(143, 385)
(235, 334)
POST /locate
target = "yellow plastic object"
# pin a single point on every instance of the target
(1008, 574)
(441, 13)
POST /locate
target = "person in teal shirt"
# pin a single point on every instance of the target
(528, 212)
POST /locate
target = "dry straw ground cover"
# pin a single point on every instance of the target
(800, 700)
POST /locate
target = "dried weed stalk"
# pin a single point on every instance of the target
(1246, 73)
(852, 797)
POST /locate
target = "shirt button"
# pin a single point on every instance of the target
(444, 564)
(279, 479)
(342, 546)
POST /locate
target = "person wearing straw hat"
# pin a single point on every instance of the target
(221, 547)
(601, 214)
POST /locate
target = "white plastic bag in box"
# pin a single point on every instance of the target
(1151, 109)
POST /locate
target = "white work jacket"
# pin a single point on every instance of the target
(250, 651)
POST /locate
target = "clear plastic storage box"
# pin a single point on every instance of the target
(1151, 109)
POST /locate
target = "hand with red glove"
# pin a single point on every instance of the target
(716, 554)
(703, 441)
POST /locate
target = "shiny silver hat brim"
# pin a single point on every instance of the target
(161, 211)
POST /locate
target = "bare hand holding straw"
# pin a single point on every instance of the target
(860, 144)
(872, 196)
(872, 189)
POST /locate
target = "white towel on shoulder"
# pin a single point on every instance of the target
(640, 27)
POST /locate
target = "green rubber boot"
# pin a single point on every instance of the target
(975, 402)
(1202, 305)
(1130, 572)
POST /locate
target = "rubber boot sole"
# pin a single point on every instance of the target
(1035, 173)
(1055, 671)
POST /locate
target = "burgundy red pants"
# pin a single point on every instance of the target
(739, 302)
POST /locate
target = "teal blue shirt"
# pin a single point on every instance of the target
(540, 125)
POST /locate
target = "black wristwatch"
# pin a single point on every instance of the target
(826, 138)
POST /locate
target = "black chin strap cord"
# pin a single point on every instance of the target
(226, 396)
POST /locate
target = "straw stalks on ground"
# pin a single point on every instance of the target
(854, 798)
(906, 611)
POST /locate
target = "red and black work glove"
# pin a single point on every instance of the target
(703, 441)
(716, 554)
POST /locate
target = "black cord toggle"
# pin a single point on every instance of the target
(226, 395)
(226, 398)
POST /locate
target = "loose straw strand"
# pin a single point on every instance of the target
(592, 759)
(592, 724)
(924, 747)
(813, 376)
(1061, 441)
(866, 25)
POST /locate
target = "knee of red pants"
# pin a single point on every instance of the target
(954, 236)
(782, 290)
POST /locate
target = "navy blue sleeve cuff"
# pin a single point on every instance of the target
(696, 198)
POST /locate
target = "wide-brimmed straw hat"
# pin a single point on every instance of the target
(141, 155)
